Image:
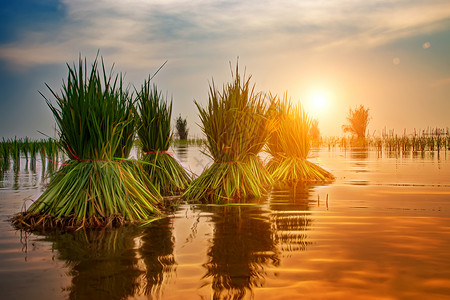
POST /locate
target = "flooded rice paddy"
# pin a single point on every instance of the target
(380, 231)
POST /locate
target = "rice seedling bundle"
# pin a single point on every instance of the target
(235, 126)
(97, 186)
(289, 144)
(4, 159)
(34, 148)
(5, 151)
(154, 133)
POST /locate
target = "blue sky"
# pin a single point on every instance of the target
(390, 56)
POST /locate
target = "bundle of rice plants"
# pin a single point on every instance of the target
(234, 123)
(25, 147)
(34, 148)
(289, 144)
(154, 133)
(4, 159)
(5, 152)
(98, 186)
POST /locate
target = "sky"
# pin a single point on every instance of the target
(391, 56)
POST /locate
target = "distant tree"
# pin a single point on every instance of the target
(314, 130)
(181, 127)
(358, 119)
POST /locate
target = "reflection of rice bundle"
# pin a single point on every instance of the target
(97, 186)
(290, 217)
(235, 126)
(103, 263)
(154, 135)
(241, 252)
(289, 145)
(157, 255)
(290, 230)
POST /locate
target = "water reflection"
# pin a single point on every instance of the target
(16, 169)
(359, 153)
(418, 154)
(390, 237)
(240, 250)
(20, 178)
(43, 171)
(4, 166)
(248, 240)
(33, 164)
(181, 152)
(359, 164)
(157, 254)
(16, 164)
(118, 263)
(101, 263)
(290, 216)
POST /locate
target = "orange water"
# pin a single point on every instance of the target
(380, 231)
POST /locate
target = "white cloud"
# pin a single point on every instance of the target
(141, 33)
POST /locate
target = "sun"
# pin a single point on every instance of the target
(318, 101)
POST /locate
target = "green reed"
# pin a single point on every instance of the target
(289, 144)
(154, 132)
(97, 186)
(235, 125)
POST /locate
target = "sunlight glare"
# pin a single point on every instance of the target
(318, 101)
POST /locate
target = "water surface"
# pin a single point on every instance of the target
(380, 231)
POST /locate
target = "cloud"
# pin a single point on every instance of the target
(142, 33)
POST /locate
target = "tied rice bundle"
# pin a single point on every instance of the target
(154, 133)
(289, 144)
(98, 186)
(234, 123)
